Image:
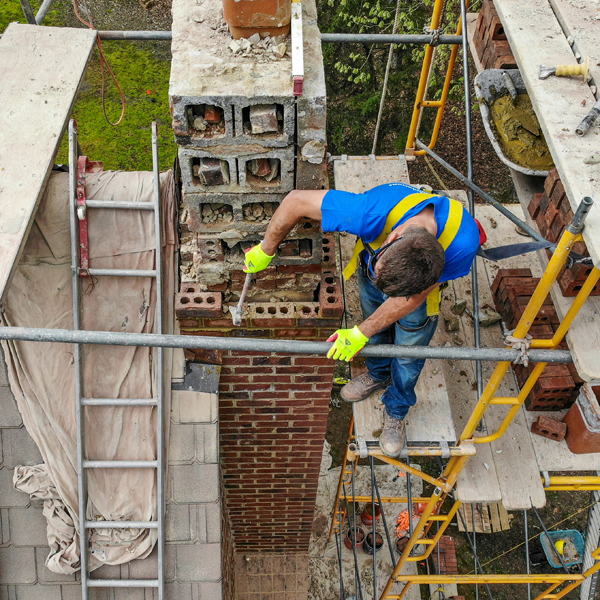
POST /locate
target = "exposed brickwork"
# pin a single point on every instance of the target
(227, 553)
(448, 564)
(274, 408)
(552, 213)
(490, 40)
(559, 385)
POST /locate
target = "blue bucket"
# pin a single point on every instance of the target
(574, 545)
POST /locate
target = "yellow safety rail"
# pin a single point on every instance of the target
(420, 101)
(460, 454)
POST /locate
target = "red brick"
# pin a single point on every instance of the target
(549, 428)
(197, 304)
(496, 29)
(330, 296)
(212, 114)
(534, 206)
(558, 194)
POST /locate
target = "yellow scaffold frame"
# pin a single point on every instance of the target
(466, 447)
(420, 101)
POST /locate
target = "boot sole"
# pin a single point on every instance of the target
(384, 384)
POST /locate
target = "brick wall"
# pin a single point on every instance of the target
(273, 411)
(227, 552)
(490, 41)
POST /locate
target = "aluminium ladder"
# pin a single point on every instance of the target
(79, 262)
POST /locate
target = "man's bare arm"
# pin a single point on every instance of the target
(392, 310)
(297, 204)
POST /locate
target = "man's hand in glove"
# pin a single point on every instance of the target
(256, 259)
(347, 343)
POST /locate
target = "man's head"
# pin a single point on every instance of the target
(413, 263)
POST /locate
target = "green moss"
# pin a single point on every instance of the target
(144, 80)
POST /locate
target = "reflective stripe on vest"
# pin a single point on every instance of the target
(447, 236)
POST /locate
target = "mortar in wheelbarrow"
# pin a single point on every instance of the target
(511, 123)
(572, 550)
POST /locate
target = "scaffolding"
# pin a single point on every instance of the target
(441, 506)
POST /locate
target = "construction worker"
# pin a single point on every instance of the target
(409, 242)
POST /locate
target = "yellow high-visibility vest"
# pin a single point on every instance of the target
(447, 236)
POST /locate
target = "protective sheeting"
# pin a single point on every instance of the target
(42, 375)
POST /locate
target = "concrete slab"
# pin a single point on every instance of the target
(198, 523)
(18, 448)
(46, 575)
(27, 527)
(181, 591)
(195, 483)
(182, 447)
(193, 407)
(3, 372)
(210, 590)
(9, 413)
(38, 592)
(213, 522)
(199, 562)
(18, 565)
(177, 523)
(207, 443)
(9, 496)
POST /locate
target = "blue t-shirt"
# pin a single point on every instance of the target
(365, 214)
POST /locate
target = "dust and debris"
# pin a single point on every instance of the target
(259, 211)
(265, 49)
(213, 212)
(518, 133)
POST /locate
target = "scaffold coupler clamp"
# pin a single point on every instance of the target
(521, 344)
(435, 36)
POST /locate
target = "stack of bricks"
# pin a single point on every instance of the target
(244, 141)
(490, 41)
(446, 551)
(558, 387)
(552, 213)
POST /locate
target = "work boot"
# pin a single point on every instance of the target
(393, 436)
(361, 387)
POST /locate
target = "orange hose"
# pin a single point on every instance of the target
(103, 63)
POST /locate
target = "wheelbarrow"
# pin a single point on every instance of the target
(569, 542)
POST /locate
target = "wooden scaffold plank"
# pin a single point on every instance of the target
(41, 69)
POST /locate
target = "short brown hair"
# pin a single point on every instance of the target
(413, 264)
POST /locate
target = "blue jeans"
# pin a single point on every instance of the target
(415, 329)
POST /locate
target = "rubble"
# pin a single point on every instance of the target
(212, 171)
(266, 168)
(264, 118)
(265, 49)
(211, 213)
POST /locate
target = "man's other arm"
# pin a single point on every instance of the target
(392, 310)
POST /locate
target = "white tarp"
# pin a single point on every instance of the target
(42, 375)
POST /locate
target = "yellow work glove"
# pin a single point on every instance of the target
(256, 259)
(347, 343)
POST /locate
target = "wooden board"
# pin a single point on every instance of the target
(40, 70)
(429, 421)
(514, 457)
(583, 337)
(536, 38)
(579, 20)
(361, 173)
(489, 518)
